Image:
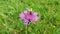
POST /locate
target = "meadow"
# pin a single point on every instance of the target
(48, 10)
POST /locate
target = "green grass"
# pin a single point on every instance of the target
(48, 10)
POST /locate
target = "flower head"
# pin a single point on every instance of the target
(29, 16)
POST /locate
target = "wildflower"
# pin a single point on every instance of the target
(29, 16)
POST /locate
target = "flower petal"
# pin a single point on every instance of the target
(25, 11)
(22, 16)
(35, 19)
(26, 22)
(35, 14)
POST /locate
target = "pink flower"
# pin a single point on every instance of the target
(29, 16)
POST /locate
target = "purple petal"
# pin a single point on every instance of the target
(35, 14)
(25, 11)
(35, 19)
(22, 16)
(26, 22)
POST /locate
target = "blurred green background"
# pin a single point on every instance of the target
(48, 10)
